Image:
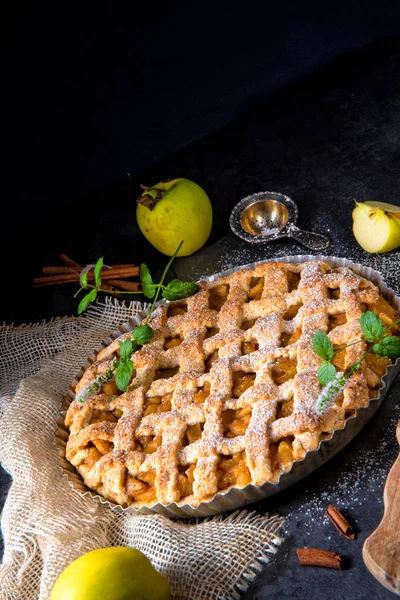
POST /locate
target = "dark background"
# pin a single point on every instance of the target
(93, 94)
(302, 98)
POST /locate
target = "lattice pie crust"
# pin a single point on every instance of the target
(225, 393)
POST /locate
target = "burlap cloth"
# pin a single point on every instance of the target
(46, 524)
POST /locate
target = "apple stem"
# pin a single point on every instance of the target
(147, 200)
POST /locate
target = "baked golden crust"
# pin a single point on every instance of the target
(225, 393)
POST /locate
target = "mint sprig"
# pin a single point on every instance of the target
(122, 367)
(374, 332)
(93, 387)
(175, 290)
(92, 295)
(331, 390)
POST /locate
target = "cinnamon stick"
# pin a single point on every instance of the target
(76, 267)
(72, 263)
(117, 273)
(61, 270)
(317, 557)
(127, 286)
(340, 522)
(127, 266)
(104, 286)
(112, 285)
(72, 267)
(106, 274)
(69, 262)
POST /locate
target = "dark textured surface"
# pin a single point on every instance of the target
(358, 494)
(89, 95)
(324, 141)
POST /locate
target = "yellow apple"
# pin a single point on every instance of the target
(389, 208)
(115, 573)
(172, 211)
(374, 229)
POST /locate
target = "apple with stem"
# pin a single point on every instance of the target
(174, 210)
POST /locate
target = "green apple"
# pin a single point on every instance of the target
(374, 229)
(172, 211)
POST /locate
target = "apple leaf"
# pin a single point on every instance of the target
(147, 201)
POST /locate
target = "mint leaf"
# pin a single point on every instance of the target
(126, 349)
(378, 349)
(123, 375)
(143, 334)
(326, 372)
(86, 300)
(84, 279)
(177, 289)
(388, 346)
(149, 288)
(371, 325)
(97, 269)
(322, 345)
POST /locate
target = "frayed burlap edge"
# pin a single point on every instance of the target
(46, 524)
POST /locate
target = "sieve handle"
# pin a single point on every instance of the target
(309, 239)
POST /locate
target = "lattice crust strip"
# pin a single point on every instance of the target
(225, 393)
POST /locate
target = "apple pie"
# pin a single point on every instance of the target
(225, 393)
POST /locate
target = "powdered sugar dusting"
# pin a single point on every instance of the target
(362, 475)
(229, 253)
(270, 231)
(360, 478)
